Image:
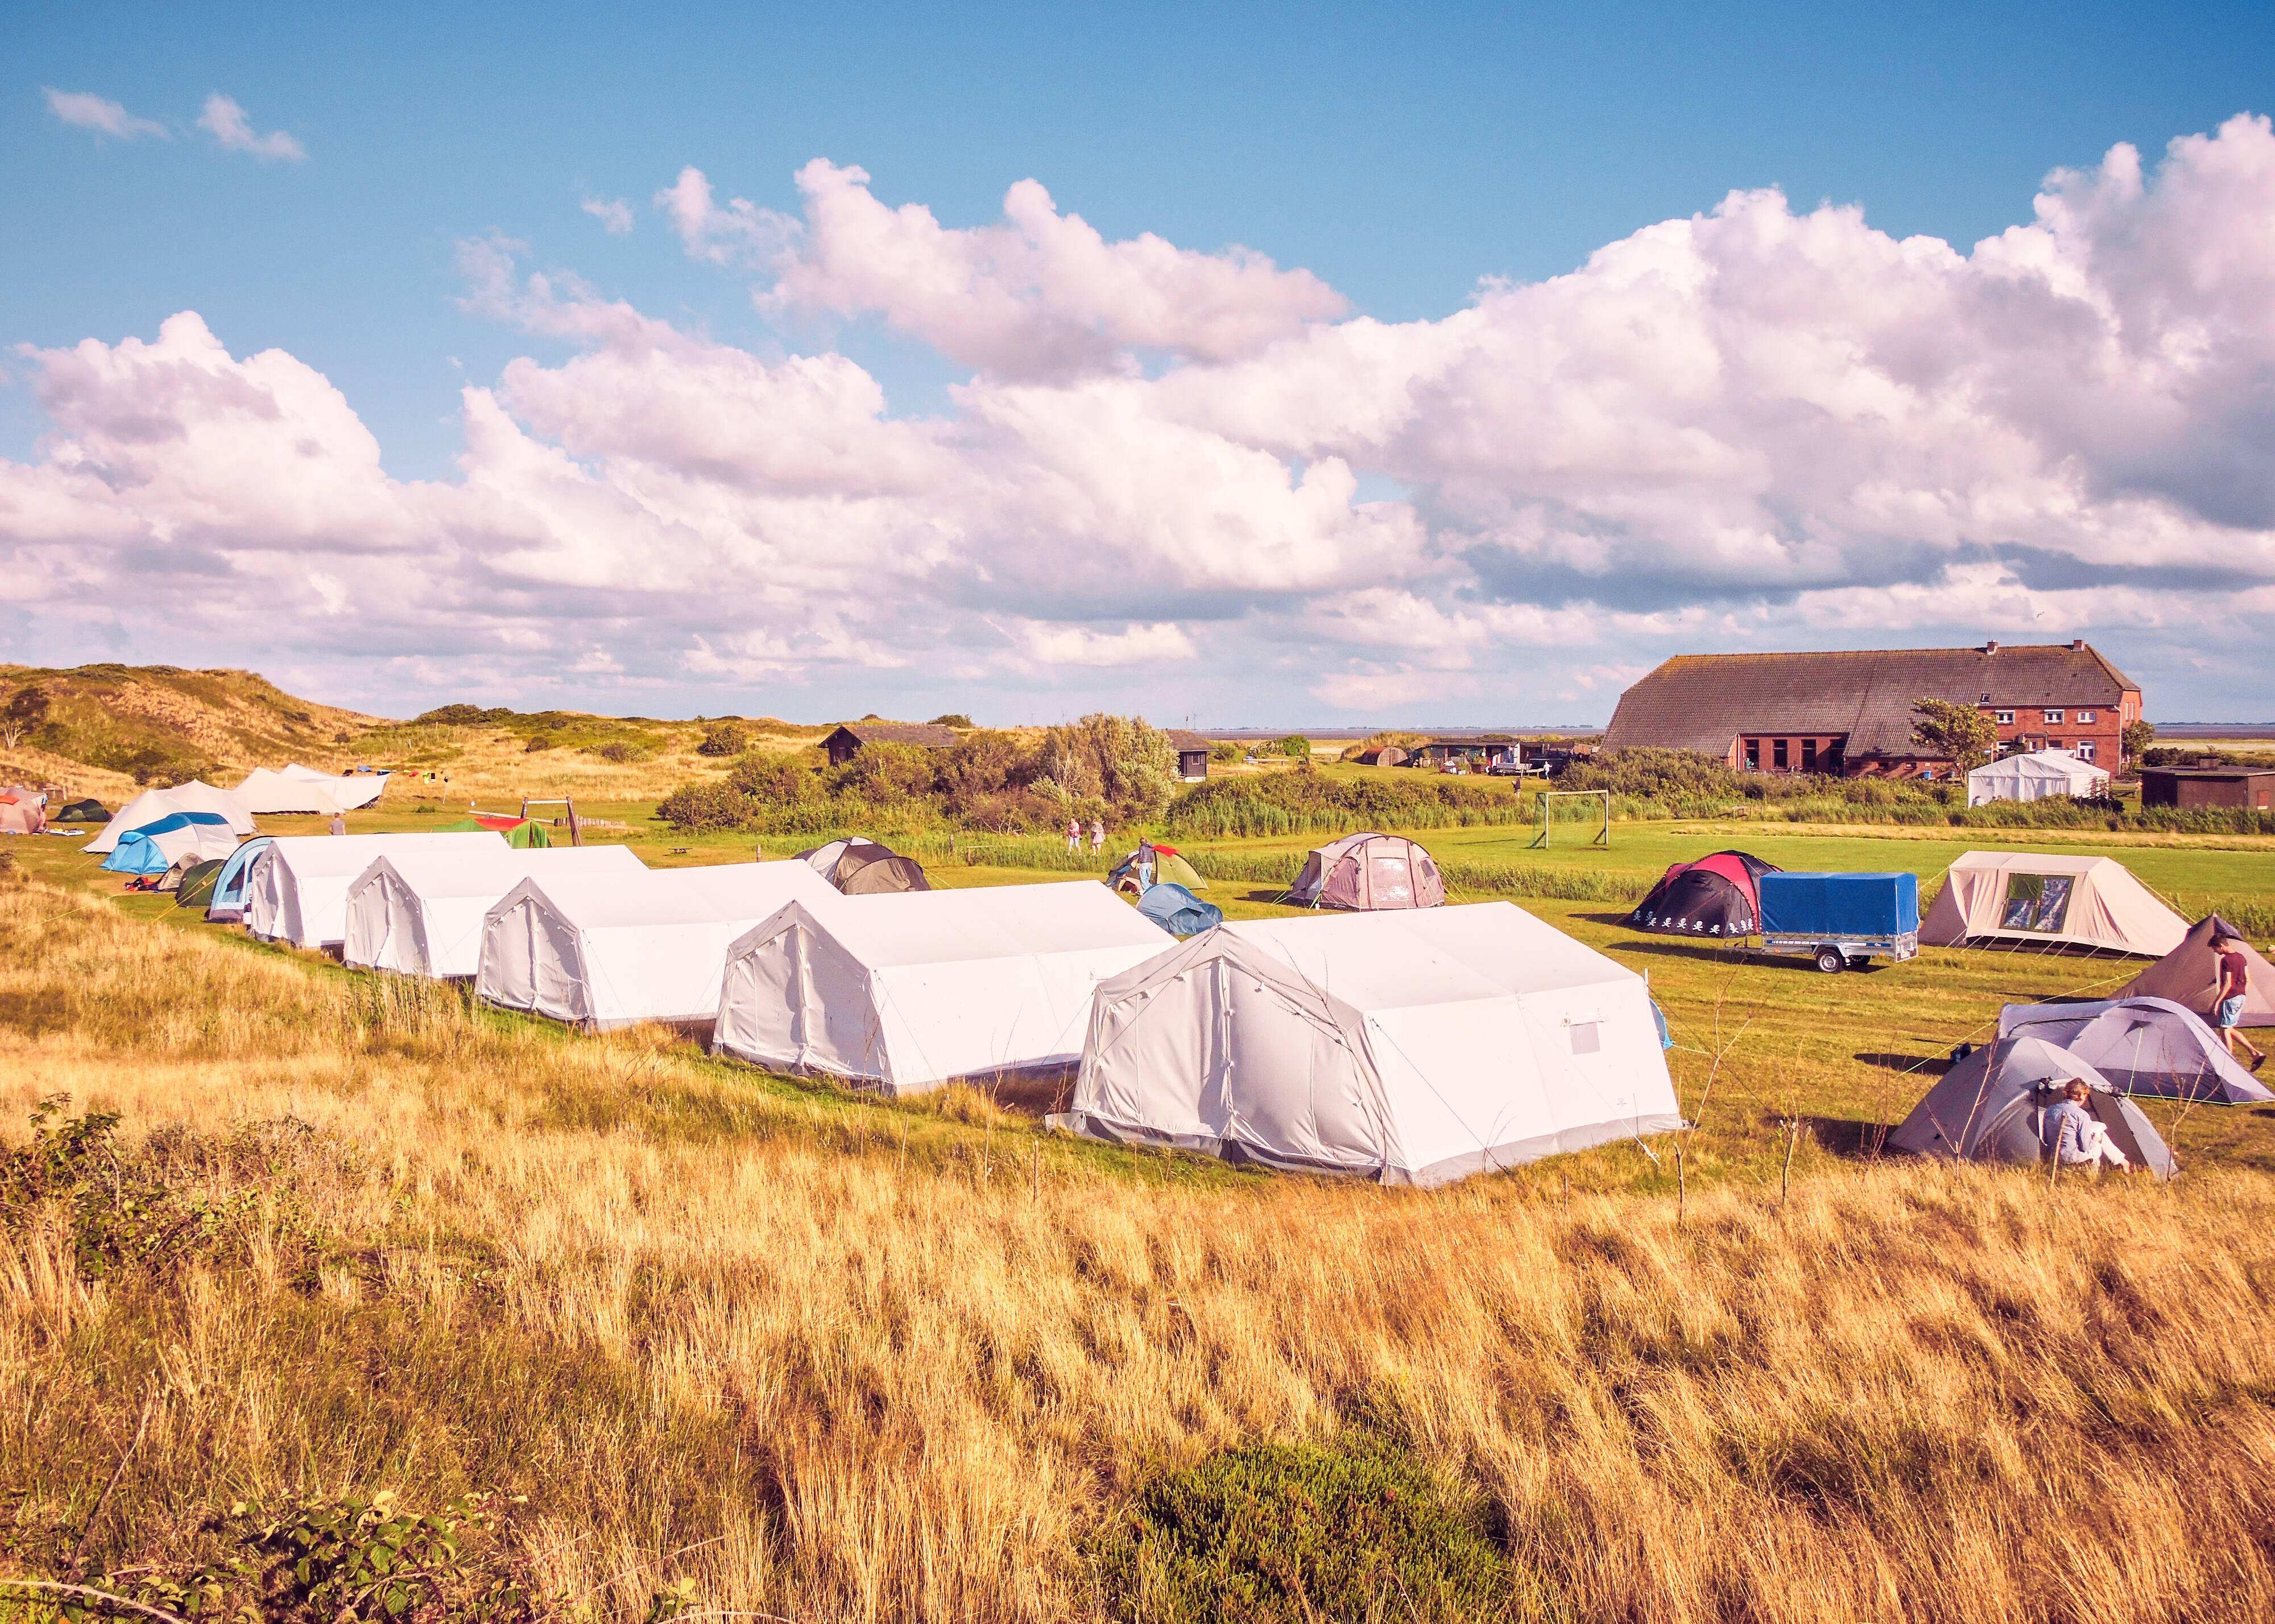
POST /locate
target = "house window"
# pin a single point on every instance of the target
(2085, 750)
(2053, 719)
(1777, 754)
(2004, 719)
(1809, 755)
(1753, 755)
(2085, 719)
(2053, 744)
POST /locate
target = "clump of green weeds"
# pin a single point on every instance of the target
(119, 1206)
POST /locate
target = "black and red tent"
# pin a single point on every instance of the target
(1714, 898)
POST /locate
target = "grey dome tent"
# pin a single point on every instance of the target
(859, 866)
(1368, 871)
(2143, 1046)
(82, 811)
(1991, 1107)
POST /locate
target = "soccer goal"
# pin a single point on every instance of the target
(1599, 815)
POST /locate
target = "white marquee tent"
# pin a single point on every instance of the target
(904, 991)
(603, 951)
(298, 891)
(266, 792)
(1415, 1047)
(152, 805)
(2036, 897)
(351, 789)
(421, 912)
(2033, 777)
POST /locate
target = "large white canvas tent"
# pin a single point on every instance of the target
(605, 950)
(1991, 1107)
(2189, 975)
(350, 790)
(152, 805)
(266, 792)
(906, 991)
(2033, 777)
(2143, 1046)
(1415, 1047)
(421, 912)
(2036, 897)
(298, 889)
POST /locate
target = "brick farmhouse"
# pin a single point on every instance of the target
(1851, 713)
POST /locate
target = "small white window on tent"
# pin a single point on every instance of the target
(1587, 1036)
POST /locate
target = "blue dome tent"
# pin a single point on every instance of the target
(1178, 911)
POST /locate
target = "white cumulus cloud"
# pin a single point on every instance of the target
(83, 110)
(226, 122)
(614, 213)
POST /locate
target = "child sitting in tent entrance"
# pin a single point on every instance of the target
(2075, 1137)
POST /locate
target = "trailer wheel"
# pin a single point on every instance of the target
(1830, 960)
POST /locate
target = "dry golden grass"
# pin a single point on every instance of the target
(831, 1360)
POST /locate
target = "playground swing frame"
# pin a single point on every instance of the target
(1602, 837)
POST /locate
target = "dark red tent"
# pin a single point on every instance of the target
(1714, 898)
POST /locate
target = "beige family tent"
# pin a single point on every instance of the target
(605, 950)
(22, 812)
(1413, 1047)
(421, 912)
(2189, 975)
(152, 805)
(297, 890)
(1991, 1107)
(2013, 897)
(2033, 777)
(1368, 871)
(905, 991)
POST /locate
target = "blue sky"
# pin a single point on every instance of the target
(1399, 155)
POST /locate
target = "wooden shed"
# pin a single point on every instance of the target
(2251, 786)
(846, 742)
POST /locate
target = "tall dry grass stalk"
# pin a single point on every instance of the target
(843, 1380)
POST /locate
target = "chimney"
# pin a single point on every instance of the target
(1990, 648)
(2077, 645)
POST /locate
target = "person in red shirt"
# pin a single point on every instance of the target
(2234, 984)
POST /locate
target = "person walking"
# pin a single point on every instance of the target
(2234, 987)
(339, 823)
(1097, 836)
(1074, 834)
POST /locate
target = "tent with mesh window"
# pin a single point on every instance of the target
(1414, 1047)
(2010, 899)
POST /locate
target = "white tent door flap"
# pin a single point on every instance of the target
(1294, 1082)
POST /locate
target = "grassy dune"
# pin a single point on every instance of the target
(815, 1357)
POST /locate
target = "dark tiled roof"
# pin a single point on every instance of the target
(1702, 701)
(922, 733)
(1184, 739)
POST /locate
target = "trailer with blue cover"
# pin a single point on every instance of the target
(1840, 920)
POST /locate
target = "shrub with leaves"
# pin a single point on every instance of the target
(697, 807)
(1354, 1529)
(1120, 764)
(121, 1211)
(953, 719)
(724, 738)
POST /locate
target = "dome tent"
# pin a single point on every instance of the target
(1414, 1047)
(228, 904)
(859, 866)
(157, 846)
(1369, 872)
(195, 887)
(2143, 1046)
(2189, 975)
(22, 812)
(1168, 866)
(1716, 897)
(1991, 1107)
(82, 811)
(1178, 911)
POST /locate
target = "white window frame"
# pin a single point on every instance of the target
(2004, 719)
(2085, 750)
(2085, 719)
(2054, 718)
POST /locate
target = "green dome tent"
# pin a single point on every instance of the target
(1167, 867)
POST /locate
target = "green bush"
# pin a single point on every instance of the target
(537, 742)
(1356, 1528)
(953, 719)
(1296, 747)
(697, 807)
(724, 738)
(1303, 804)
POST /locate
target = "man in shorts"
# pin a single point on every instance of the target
(2234, 982)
